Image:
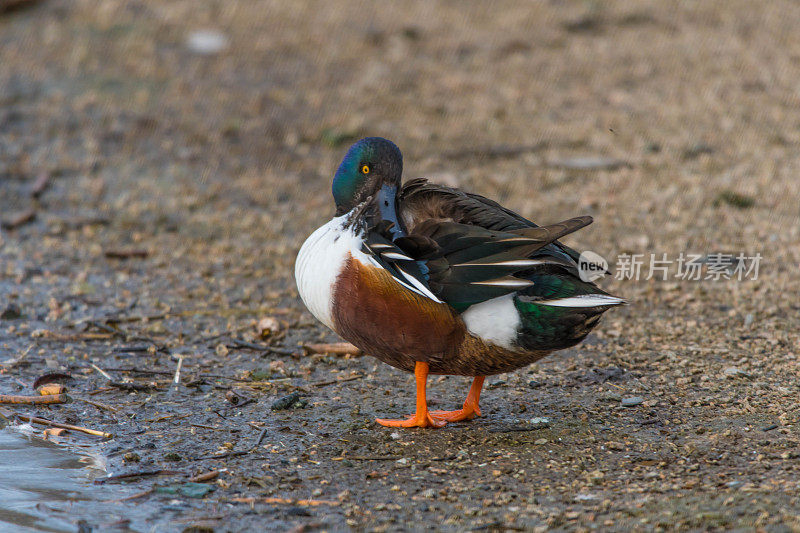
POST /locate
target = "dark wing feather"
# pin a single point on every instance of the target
(420, 201)
(472, 264)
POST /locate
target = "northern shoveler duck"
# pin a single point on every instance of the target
(434, 280)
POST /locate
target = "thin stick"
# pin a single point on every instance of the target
(40, 184)
(208, 476)
(99, 405)
(332, 381)
(133, 475)
(337, 348)
(259, 439)
(289, 501)
(19, 219)
(131, 497)
(34, 400)
(11, 363)
(177, 378)
(102, 372)
(372, 457)
(45, 422)
(126, 254)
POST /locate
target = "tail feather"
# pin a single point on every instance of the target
(559, 310)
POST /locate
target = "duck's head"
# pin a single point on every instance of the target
(371, 169)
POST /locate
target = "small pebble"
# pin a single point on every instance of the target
(539, 442)
(733, 372)
(632, 401)
(195, 490)
(294, 399)
(11, 312)
(207, 42)
(539, 422)
(131, 457)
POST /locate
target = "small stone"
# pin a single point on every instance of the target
(195, 490)
(11, 312)
(697, 149)
(748, 319)
(402, 461)
(131, 457)
(428, 493)
(221, 350)
(611, 397)
(268, 326)
(632, 401)
(293, 400)
(735, 199)
(539, 422)
(540, 442)
(172, 457)
(207, 42)
(732, 372)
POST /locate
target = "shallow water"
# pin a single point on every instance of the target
(44, 486)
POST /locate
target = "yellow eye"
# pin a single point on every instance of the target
(365, 169)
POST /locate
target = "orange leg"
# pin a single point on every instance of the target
(422, 419)
(470, 409)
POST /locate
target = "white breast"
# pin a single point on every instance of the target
(319, 262)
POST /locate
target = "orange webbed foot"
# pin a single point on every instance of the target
(422, 418)
(470, 409)
(425, 420)
(468, 412)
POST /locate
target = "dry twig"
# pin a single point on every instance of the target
(44, 422)
(208, 476)
(337, 348)
(33, 400)
(287, 501)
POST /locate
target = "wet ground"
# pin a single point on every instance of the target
(43, 485)
(156, 183)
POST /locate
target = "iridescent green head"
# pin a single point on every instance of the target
(370, 164)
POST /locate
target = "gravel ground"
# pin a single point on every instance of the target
(162, 162)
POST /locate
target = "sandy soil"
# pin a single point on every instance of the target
(176, 187)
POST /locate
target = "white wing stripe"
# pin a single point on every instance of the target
(419, 286)
(584, 300)
(518, 284)
(396, 256)
(515, 262)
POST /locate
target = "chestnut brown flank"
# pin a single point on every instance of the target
(400, 327)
